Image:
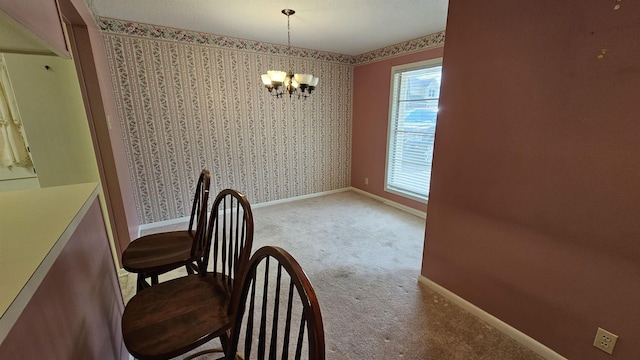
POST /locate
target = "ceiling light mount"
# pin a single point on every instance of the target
(280, 83)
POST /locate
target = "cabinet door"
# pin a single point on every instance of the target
(42, 18)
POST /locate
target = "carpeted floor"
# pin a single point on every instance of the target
(363, 258)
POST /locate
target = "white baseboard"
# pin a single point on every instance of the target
(253, 206)
(411, 210)
(296, 198)
(493, 321)
(162, 223)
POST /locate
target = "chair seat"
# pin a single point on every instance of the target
(176, 316)
(157, 252)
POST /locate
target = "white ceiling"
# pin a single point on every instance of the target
(349, 27)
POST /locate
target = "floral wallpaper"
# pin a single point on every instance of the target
(188, 101)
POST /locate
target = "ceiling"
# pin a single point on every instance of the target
(349, 27)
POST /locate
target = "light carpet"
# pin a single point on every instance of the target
(363, 258)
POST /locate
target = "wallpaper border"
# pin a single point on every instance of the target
(123, 27)
(404, 48)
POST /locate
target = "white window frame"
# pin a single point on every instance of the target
(391, 123)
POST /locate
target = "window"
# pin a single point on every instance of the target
(415, 89)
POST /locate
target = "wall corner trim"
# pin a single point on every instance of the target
(493, 321)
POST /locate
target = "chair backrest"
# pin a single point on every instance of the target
(275, 306)
(229, 235)
(199, 216)
(200, 201)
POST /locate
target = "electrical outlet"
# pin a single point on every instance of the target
(605, 340)
(366, 181)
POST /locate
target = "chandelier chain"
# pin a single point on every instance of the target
(289, 41)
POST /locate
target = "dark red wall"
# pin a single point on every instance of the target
(370, 124)
(534, 208)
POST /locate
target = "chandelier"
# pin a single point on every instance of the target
(280, 83)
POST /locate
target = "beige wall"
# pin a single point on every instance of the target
(55, 123)
(54, 118)
(184, 106)
(189, 100)
(19, 184)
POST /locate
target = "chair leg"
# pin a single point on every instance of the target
(141, 283)
(189, 268)
(154, 280)
(224, 340)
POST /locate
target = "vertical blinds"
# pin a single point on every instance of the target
(414, 109)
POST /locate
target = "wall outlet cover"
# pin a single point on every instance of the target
(605, 340)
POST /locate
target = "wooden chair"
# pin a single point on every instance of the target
(276, 308)
(176, 316)
(156, 254)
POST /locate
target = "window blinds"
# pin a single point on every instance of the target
(414, 108)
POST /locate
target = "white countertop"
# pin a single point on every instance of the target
(34, 226)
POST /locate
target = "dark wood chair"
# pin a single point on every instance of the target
(156, 254)
(176, 316)
(277, 315)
